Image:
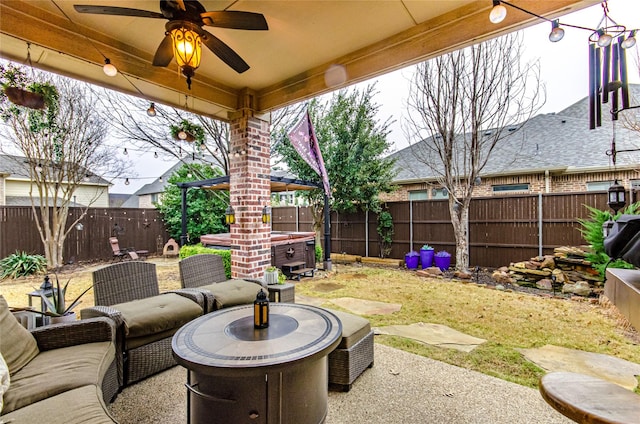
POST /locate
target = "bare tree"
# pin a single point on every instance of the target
(131, 123)
(63, 146)
(453, 101)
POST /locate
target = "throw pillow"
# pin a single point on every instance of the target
(17, 344)
(4, 380)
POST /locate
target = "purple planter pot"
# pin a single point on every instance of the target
(411, 260)
(426, 258)
(442, 262)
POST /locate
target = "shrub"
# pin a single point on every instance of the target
(592, 233)
(443, 254)
(196, 249)
(21, 264)
(319, 257)
(426, 247)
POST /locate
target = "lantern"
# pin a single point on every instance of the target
(187, 47)
(266, 215)
(230, 216)
(261, 310)
(615, 198)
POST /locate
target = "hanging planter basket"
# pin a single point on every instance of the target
(186, 131)
(25, 98)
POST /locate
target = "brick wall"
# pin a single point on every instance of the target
(249, 191)
(558, 183)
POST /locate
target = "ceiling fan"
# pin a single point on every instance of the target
(184, 32)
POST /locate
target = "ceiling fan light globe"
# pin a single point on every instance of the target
(187, 47)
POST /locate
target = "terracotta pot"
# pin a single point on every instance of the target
(24, 98)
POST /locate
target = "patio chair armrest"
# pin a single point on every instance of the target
(258, 281)
(195, 295)
(61, 335)
(118, 321)
(103, 311)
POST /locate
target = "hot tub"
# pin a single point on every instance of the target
(286, 246)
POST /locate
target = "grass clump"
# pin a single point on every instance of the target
(22, 264)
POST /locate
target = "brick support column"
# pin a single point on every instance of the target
(249, 191)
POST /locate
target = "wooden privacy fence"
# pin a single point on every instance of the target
(501, 230)
(139, 228)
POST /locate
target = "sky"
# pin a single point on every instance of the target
(563, 70)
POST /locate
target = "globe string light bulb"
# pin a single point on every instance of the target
(498, 13)
(108, 69)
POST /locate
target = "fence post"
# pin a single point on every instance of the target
(410, 225)
(297, 218)
(366, 233)
(539, 224)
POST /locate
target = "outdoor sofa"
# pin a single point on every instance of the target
(56, 374)
(128, 293)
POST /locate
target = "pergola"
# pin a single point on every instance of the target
(310, 48)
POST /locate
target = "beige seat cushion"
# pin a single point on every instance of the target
(233, 292)
(17, 345)
(4, 380)
(83, 405)
(354, 328)
(157, 314)
(59, 370)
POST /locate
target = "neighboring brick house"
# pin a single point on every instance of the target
(15, 185)
(551, 153)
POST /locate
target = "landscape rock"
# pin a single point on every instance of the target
(548, 262)
(502, 277)
(545, 284)
(429, 272)
(463, 275)
(580, 288)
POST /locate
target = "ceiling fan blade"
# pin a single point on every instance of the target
(164, 54)
(121, 11)
(224, 52)
(235, 20)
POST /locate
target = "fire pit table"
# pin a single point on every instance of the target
(239, 374)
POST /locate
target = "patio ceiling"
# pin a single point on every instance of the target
(288, 62)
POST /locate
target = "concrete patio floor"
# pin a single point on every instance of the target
(400, 388)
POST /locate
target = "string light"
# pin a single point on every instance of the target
(108, 69)
(126, 181)
(152, 110)
(125, 152)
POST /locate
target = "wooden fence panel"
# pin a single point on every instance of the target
(140, 228)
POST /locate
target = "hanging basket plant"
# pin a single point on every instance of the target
(21, 97)
(186, 131)
(33, 95)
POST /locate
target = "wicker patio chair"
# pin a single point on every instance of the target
(146, 320)
(205, 272)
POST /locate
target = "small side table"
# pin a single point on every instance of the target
(41, 320)
(282, 292)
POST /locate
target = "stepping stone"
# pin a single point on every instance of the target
(433, 334)
(610, 368)
(366, 307)
(309, 300)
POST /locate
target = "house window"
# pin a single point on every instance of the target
(418, 195)
(598, 185)
(154, 197)
(439, 193)
(510, 188)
